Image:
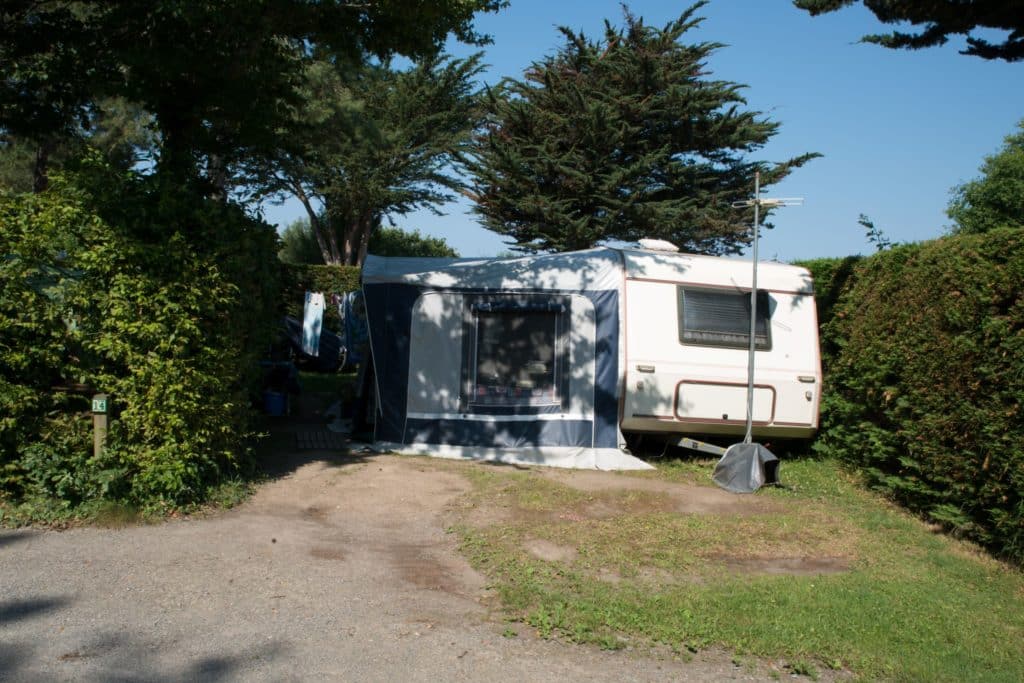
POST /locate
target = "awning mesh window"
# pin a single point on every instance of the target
(722, 318)
(516, 360)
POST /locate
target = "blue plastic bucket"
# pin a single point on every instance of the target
(274, 403)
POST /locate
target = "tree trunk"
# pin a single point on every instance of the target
(217, 176)
(332, 242)
(328, 249)
(40, 177)
(357, 238)
(371, 223)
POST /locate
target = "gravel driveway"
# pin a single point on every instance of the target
(339, 569)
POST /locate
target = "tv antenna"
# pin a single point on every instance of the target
(740, 459)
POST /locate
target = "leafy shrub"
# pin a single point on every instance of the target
(299, 245)
(164, 302)
(387, 241)
(924, 390)
(996, 199)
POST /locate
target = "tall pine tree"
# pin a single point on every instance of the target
(618, 139)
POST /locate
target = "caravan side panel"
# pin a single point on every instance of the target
(686, 378)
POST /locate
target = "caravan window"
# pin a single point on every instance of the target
(710, 317)
(516, 354)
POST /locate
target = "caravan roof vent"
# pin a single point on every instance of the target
(657, 245)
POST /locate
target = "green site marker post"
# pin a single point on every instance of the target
(99, 424)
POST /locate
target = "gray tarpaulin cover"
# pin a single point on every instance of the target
(746, 467)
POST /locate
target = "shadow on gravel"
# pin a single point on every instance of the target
(10, 538)
(279, 454)
(114, 657)
(17, 610)
(124, 660)
(13, 658)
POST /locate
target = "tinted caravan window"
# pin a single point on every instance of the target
(710, 317)
(517, 354)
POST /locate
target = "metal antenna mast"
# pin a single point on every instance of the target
(757, 202)
(745, 466)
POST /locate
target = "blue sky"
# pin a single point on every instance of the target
(897, 129)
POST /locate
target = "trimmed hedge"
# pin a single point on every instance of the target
(925, 379)
(832, 276)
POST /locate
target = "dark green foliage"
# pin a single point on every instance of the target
(369, 142)
(938, 19)
(17, 164)
(622, 138)
(874, 233)
(319, 278)
(832, 277)
(926, 383)
(97, 297)
(398, 242)
(299, 244)
(997, 198)
(118, 130)
(153, 287)
(217, 76)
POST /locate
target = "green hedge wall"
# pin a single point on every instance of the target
(163, 300)
(925, 379)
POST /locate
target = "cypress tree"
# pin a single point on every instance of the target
(618, 139)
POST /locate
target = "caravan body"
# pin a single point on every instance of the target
(687, 337)
(549, 359)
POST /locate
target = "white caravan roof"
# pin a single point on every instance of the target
(592, 269)
(642, 264)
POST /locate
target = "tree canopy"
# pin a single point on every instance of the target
(622, 138)
(939, 19)
(996, 199)
(371, 141)
(217, 76)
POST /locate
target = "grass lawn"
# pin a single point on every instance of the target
(820, 573)
(340, 384)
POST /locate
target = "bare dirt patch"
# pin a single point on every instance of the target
(606, 495)
(322, 553)
(798, 566)
(685, 498)
(715, 530)
(548, 551)
(427, 566)
(648, 575)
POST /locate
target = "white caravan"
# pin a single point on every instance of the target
(687, 337)
(554, 359)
